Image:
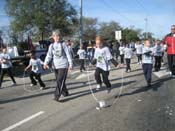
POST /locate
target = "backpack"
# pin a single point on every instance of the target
(51, 64)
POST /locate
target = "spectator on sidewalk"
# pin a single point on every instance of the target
(6, 66)
(36, 69)
(147, 62)
(169, 40)
(61, 58)
(102, 57)
(81, 52)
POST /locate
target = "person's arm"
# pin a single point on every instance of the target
(78, 52)
(147, 52)
(5, 59)
(114, 62)
(110, 57)
(68, 55)
(94, 60)
(30, 64)
(49, 57)
(41, 62)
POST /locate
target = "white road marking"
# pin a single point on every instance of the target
(23, 121)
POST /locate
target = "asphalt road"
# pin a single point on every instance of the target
(138, 108)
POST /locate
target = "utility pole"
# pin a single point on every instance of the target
(146, 27)
(81, 22)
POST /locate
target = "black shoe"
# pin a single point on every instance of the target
(148, 84)
(65, 94)
(108, 90)
(56, 99)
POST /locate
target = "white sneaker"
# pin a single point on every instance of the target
(13, 84)
(170, 73)
(42, 88)
(98, 87)
(31, 85)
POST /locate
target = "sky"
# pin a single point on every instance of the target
(160, 14)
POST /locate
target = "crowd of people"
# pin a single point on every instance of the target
(60, 54)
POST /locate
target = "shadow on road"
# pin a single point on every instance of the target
(155, 86)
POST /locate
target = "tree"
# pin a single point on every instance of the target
(89, 28)
(40, 17)
(130, 35)
(149, 35)
(107, 30)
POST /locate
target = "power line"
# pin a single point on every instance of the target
(115, 10)
(142, 7)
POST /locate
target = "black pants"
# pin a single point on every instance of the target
(122, 59)
(128, 62)
(82, 65)
(171, 63)
(147, 70)
(139, 56)
(38, 77)
(158, 60)
(9, 72)
(105, 74)
(61, 75)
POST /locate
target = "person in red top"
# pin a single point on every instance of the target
(170, 42)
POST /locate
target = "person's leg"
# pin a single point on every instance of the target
(32, 75)
(170, 62)
(156, 63)
(138, 58)
(106, 81)
(9, 71)
(159, 62)
(129, 64)
(149, 74)
(122, 59)
(57, 89)
(40, 81)
(63, 73)
(144, 67)
(97, 76)
(2, 76)
(83, 65)
(173, 65)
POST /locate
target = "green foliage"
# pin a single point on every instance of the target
(107, 30)
(89, 28)
(130, 35)
(149, 35)
(40, 17)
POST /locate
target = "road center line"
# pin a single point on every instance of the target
(23, 121)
